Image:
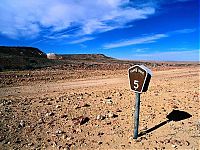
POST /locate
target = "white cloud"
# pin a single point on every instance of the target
(29, 18)
(189, 55)
(146, 39)
(141, 50)
(183, 31)
(140, 40)
(84, 39)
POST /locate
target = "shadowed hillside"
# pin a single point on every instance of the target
(22, 51)
(22, 58)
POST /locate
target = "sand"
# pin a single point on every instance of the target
(96, 111)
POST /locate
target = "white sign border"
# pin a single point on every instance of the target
(147, 71)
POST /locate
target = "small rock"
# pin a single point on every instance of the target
(58, 106)
(118, 94)
(49, 114)
(108, 98)
(22, 123)
(30, 144)
(86, 105)
(187, 143)
(100, 117)
(130, 138)
(118, 110)
(59, 147)
(78, 130)
(41, 121)
(64, 136)
(174, 146)
(123, 145)
(166, 141)
(174, 106)
(59, 132)
(100, 133)
(2, 138)
(68, 138)
(111, 115)
(109, 101)
(80, 120)
(108, 123)
(99, 143)
(54, 144)
(49, 103)
(63, 116)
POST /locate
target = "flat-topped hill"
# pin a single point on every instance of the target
(22, 51)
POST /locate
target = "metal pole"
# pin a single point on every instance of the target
(137, 110)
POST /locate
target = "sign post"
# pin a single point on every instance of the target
(137, 111)
(139, 77)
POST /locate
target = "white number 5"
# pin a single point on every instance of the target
(136, 85)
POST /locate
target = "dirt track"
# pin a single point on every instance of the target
(40, 115)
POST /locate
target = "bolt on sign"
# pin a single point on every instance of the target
(139, 77)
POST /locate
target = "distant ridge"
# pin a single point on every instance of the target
(85, 57)
(22, 51)
(22, 58)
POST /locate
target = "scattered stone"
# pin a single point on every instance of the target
(166, 141)
(100, 117)
(108, 123)
(59, 147)
(131, 138)
(174, 106)
(111, 115)
(58, 106)
(174, 146)
(108, 98)
(54, 144)
(59, 132)
(176, 142)
(49, 114)
(109, 101)
(99, 143)
(68, 138)
(63, 116)
(49, 103)
(100, 133)
(187, 143)
(118, 110)
(18, 141)
(80, 120)
(78, 130)
(41, 121)
(30, 144)
(2, 138)
(64, 136)
(22, 124)
(123, 145)
(118, 94)
(86, 105)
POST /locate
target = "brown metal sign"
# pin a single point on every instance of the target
(139, 77)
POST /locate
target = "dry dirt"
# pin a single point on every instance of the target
(95, 111)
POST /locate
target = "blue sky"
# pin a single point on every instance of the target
(165, 30)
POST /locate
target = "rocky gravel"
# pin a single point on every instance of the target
(99, 116)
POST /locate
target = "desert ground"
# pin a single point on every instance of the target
(94, 109)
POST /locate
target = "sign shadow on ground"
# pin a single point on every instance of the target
(175, 115)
